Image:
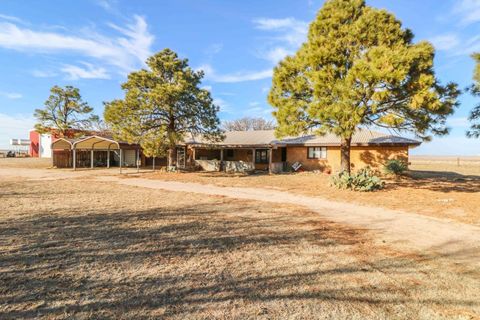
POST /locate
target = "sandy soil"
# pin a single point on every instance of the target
(100, 249)
(444, 194)
(398, 228)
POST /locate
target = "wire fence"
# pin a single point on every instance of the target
(448, 160)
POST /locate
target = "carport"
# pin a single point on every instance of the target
(94, 145)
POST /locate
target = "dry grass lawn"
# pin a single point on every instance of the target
(30, 163)
(442, 190)
(90, 249)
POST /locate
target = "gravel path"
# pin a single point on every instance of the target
(460, 242)
(407, 230)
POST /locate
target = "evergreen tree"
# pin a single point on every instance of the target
(359, 67)
(162, 105)
(474, 117)
(64, 111)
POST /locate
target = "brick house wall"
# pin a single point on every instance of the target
(360, 157)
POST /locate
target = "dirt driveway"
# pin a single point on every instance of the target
(401, 229)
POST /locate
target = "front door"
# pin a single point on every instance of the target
(284, 154)
(181, 157)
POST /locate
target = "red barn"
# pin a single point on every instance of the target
(40, 144)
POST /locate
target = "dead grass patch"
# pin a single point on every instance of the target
(31, 163)
(92, 249)
(426, 190)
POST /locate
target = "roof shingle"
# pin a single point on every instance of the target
(267, 137)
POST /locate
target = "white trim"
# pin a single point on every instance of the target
(63, 139)
(96, 137)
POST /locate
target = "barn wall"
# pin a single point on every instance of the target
(34, 148)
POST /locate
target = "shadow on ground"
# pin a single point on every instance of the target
(212, 261)
(440, 181)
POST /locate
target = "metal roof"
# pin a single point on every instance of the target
(267, 138)
(89, 142)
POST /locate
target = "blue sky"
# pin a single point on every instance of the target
(93, 44)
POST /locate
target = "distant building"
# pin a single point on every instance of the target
(40, 144)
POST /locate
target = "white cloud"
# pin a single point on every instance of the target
(469, 10)
(290, 30)
(455, 45)
(470, 46)
(137, 40)
(88, 72)
(107, 4)
(277, 54)
(214, 49)
(258, 110)
(14, 127)
(242, 76)
(126, 51)
(11, 18)
(224, 105)
(467, 47)
(287, 36)
(445, 42)
(43, 73)
(10, 95)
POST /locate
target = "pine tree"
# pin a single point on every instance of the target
(64, 111)
(359, 68)
(474, 117)
(162, 105)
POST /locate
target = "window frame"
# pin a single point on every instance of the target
(321, 152)
(229, 153)
(259, 160)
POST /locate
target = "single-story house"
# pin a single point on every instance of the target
(239, 151)
(261, 150)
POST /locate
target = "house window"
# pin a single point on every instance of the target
(261, 156)
(229, 153)
(317, 153)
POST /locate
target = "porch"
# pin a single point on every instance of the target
(235, 158)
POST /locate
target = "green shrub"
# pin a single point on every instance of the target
(362, 180)
(396, 167)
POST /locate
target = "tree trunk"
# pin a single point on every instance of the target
(345, 154)
(171, 158)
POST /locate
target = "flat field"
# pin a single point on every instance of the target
(29, 163)
(442, 187)
(432, 187)
(82, 248)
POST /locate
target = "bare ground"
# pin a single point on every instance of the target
(435, 186)
(402, 229)
(426, 190)
(92, 249)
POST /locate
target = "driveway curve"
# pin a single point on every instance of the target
(407, 230)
